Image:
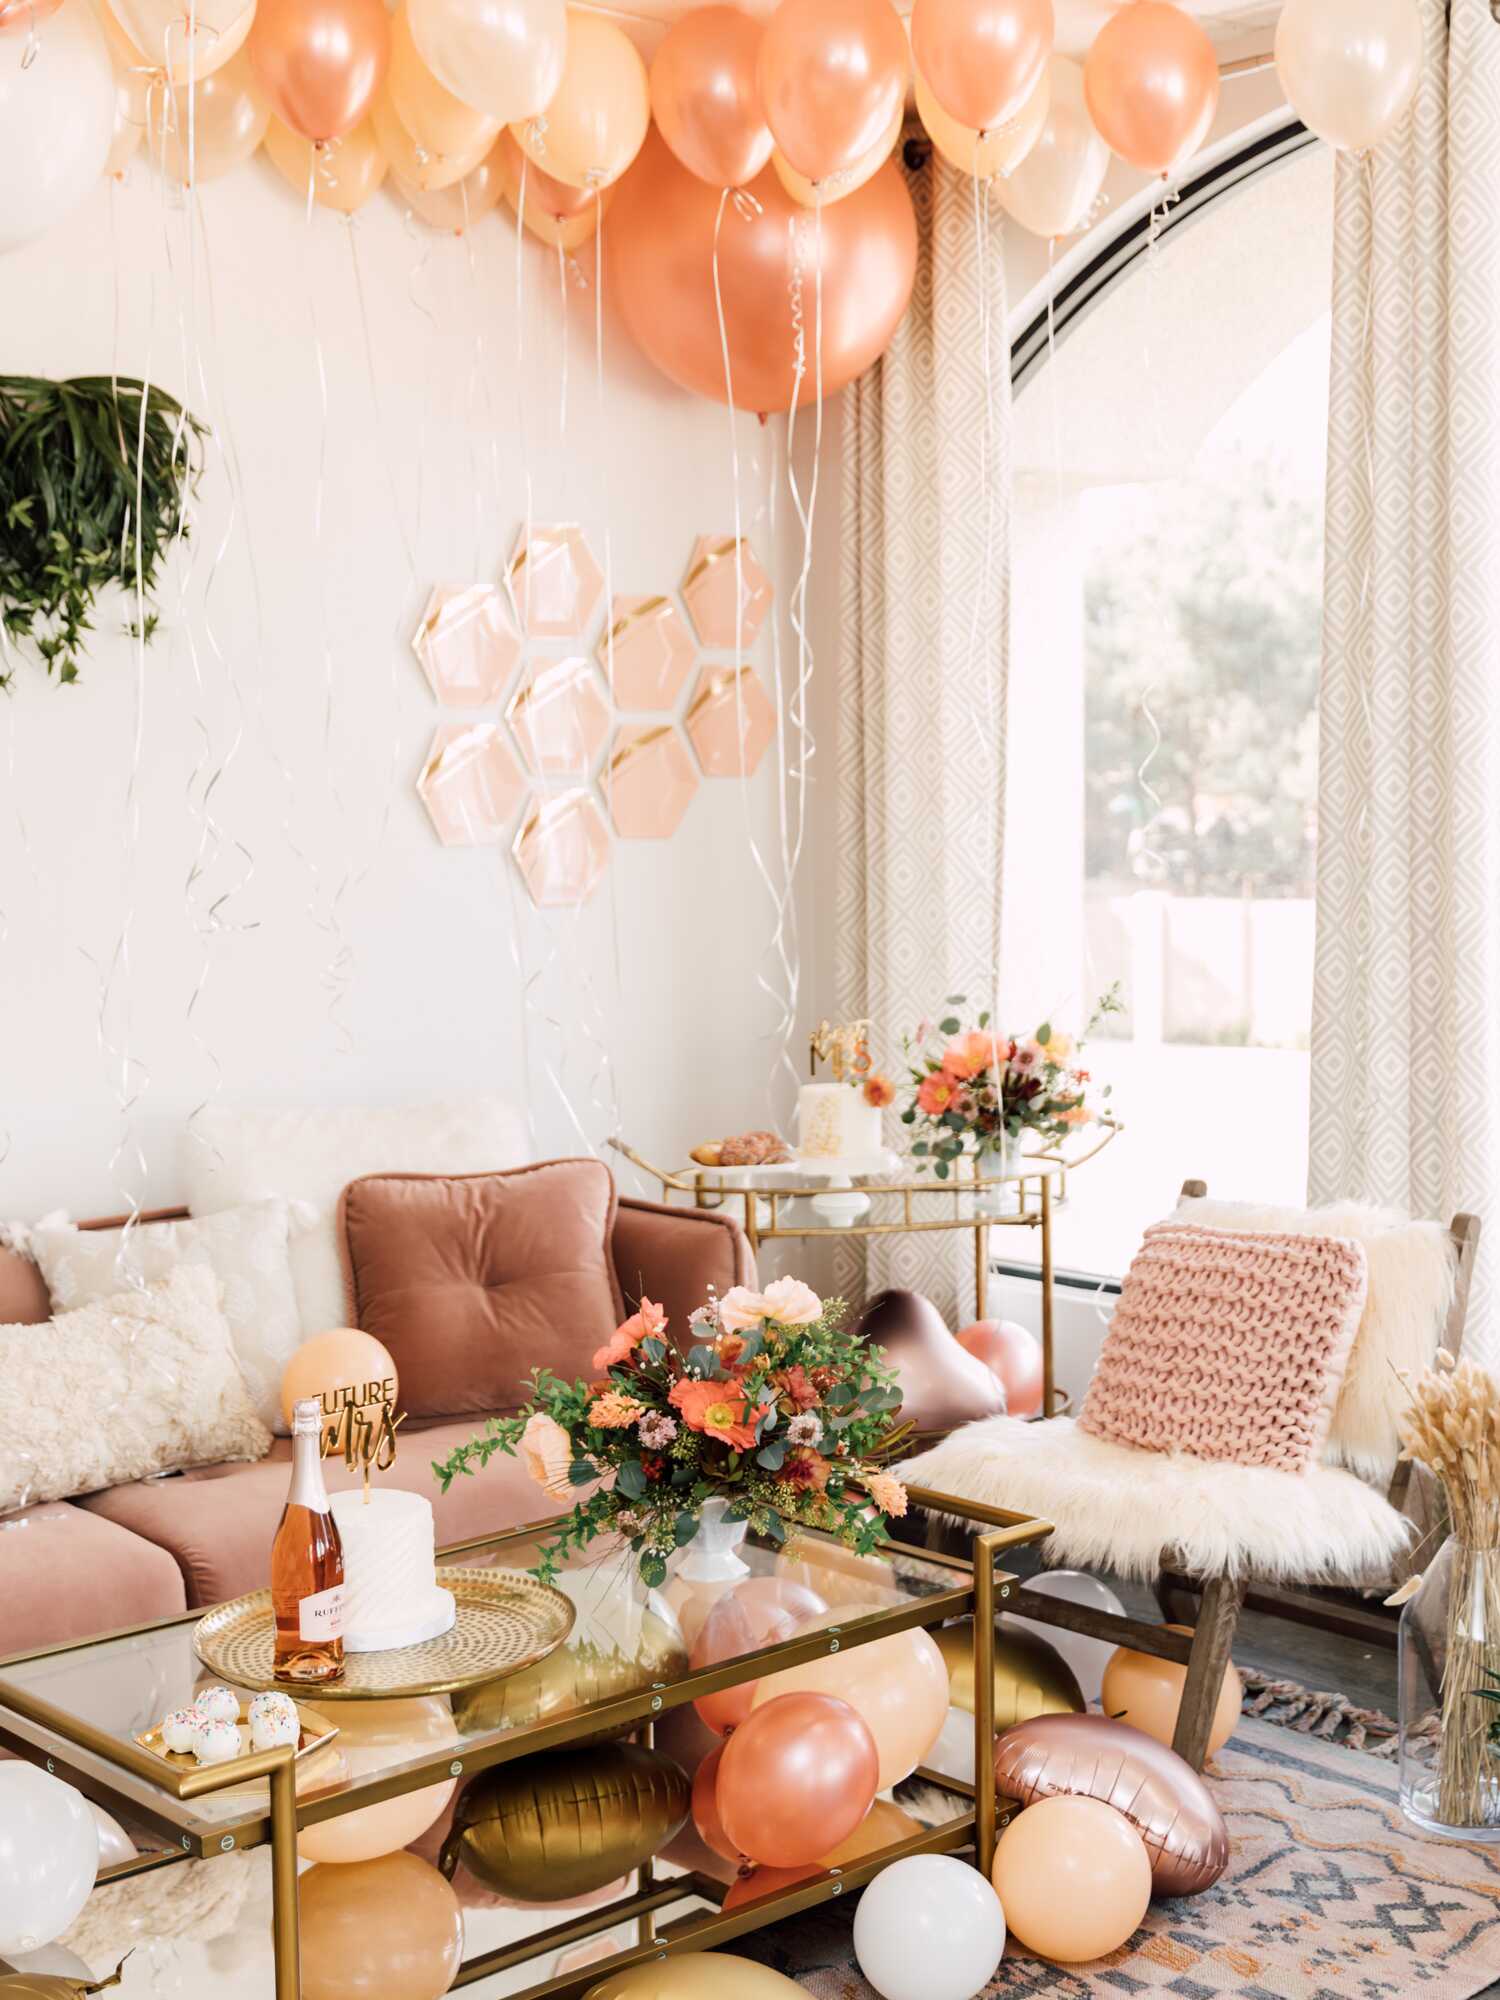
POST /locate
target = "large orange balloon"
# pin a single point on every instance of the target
(882, 1826)
(342, 1358)
(982, 58)
(705, 97)
(660, 245)
(753, 1614)
(1152, 84)
(796, 1779)
(1146, 1692)
(320, 62)
(374, 1735)
(832, 76)
(899, 1686)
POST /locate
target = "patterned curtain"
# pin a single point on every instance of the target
(926, 614)
(1406, 1005)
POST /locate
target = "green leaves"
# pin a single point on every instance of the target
(949, 1025)
(631, 1479)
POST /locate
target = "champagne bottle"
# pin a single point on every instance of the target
(307, 1564)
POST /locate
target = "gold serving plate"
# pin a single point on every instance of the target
(318, 1731)
(506, 1621)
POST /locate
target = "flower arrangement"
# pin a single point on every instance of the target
(774, 1408)
(977, 1090)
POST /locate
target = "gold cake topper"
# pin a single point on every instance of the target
(359, 1420)
(846, 1047)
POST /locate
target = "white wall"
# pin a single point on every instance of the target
(452, 983)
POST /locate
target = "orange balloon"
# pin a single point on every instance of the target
(1147, 1692)
(705, 97)
(440, 123)
(753, 1614)
(832, 77)
(820, 194)
(1152, 84)
(553, 211)
(132, 90)
(594, 125)
(1013, 1354)
(460, 206)
(796, 1779)
(898, 1686)
(660, 247)
(372, 1736)
(391, 1927)
(1073, 1878)
(344, 174)
(410, 161)
(166, 37)
(882, 1826)
(320, 62)
(229, 120)
(706, 1807)
(982, 59)
(342, 1358)
(992, 153)
(25, 13)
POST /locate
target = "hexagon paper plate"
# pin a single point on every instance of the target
(467, 645)
(708, 591)
(649, 651)
(650, 781)
(555, 583)
(561, 718)
(562, 849)
(731, 720)
(470, 784)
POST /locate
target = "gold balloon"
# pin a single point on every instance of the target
(1031, 1677)
(576, 1676)
(695, 1975)
(53, 1985)
(554, 1826)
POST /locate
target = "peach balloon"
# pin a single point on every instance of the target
(229, 120)
(899, 1686)
(982, 59)
(372, 1736)
(25, 13)
(407, 159)
(660, 248)
(597, 120)
(705, 97)
(832, 77)
(1152, 84)
(320, 62)
(820, 194)
(1073, 1878)
(1146, 1692)
(1349, 67)
(132, 92)
(505, 57)
(991, 153)
(391, 1927)
(344, 174)
(705, 1807)
(460, 206)
(158, 32)
(884, 1825)
(1054, 187)
(553, 211)
(1013, 1354)
(342, 1358)
(753, 1614)
(796, 1778)
(440, 123)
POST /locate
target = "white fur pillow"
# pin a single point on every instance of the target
(1411, 1275)
(247, 1249)
(142, 1382)
(310, 1157)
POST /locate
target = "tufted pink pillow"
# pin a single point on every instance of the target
(1228, 1345)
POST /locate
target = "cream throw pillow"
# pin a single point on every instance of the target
(246, 1248)
(142, 1382)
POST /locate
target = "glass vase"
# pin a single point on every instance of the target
(997, 1190)
(1449, 1666)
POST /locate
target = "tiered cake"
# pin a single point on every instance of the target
(391, 1593)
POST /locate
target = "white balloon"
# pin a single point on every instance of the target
(1087, 1657)
(1053, 189)
(49, 1856)
(57, 121)
(115, 1844)
(929, 1928)
(1349, 68)
(55, 1959)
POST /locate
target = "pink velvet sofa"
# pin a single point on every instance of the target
(69, 1569)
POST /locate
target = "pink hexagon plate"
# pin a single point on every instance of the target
(731, 720)
(561, 718)
(555, 583)
(650, 781)
(563, 849)
(470, 784)
(467, 645)
(649, 651)
(709, 592)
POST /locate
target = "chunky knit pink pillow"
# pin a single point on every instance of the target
(1228, 1345)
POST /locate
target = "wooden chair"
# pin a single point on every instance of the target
(1220, 1594)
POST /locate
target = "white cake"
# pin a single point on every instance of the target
(835, 1123)
(391, 1593)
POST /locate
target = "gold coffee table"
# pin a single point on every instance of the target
(75, 1710)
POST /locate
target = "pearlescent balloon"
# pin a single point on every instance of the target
(929, 1927)
(504, 57)
(49, 1855)
(57, 122)
(1349, 67)
(1087, 1657)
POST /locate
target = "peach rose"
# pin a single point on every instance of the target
(791, 1303)
(740, 1309)
(546, 1451)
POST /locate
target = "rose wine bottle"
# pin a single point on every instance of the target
(307, 1564)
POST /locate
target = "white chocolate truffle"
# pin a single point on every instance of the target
(218, 1704)
(217, 1743)
(273, 1727)
(272, 1702)
(179, 1730)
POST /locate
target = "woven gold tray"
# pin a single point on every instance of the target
(506, 1621)
(318, 1731)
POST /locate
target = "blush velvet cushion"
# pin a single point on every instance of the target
(473, 1280)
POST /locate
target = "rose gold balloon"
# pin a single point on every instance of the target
(390, 1927)
(1090, 1756)
(832, 76)
(837, 187)
(706, 1807)
(753, 1614)
(460, 206)
(553, 211)
(1013, 1355)
(1152, 83)
(440, 123)
(660, 249)
(705, 97)
(898, 1686)
(229, 120)
(882, 1826)
(796, 1779)
(320, 62)
(942, 1385)
(1147, 1693)
(990, 154)
(344, 175)
(1073, 1879)
(982, 58)
(23, 13)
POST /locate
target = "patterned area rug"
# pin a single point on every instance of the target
(1329, 1895)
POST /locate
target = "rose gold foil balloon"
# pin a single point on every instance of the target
(832, 76)
(459, 206)
(320, 62)
(705, 97)
(1013, 1354)
(598, 115)
(441, 124)
(505, 57)
(753, 1614)
(1152, 83)
(228, 121)
(706, 1807)
(1073, 1878)
(1054, 187)
(344, 175)
(796, 1779)
(982, 59)
(898, 1686)
(990, 153)
(820, 194)
(942, 1385)
(1349, 67)
(391, 1927)
(1147, 1693)
(660, 248)
(1091, 1756)
(167, 37)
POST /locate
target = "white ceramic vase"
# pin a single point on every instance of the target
(711, 1556)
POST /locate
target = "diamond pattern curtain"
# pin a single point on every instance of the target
(926, 613)
(1406, 1006)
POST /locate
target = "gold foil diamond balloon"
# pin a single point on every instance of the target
(562, 849)
(471, 784)
(561, 718)
(710, 594)
(555, 583)
(730, 720)
(649, 782)
(647, 651)
(467, 646)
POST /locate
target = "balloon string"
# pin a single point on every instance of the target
(604, 1082)
(562, 386)
(523, 430)
(806, 512)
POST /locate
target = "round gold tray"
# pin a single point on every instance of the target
(506, 1621)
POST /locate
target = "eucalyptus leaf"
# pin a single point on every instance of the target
(631, 1479)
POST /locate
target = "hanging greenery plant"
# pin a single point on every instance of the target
(75, 457)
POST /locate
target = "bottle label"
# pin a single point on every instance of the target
(321, 1616)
